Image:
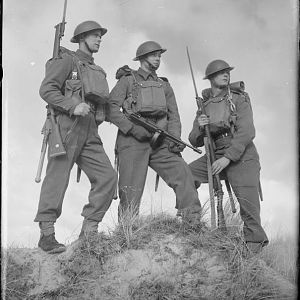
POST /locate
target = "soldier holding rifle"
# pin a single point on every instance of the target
(76, 90)
(151, 97)
(229, 115)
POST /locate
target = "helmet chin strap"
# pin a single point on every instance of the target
(150, 65)
(88, 47)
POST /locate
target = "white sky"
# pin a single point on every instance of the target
(258, 37)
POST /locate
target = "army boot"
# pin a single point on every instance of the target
(89, 229)
(47, 241)
(49, 244)
(191, 216)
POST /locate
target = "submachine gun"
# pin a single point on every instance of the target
(57, 147)
(215, 186)
(159, 134)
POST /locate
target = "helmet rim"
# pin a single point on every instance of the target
(214, 67)
(93, 26)
(142, 51)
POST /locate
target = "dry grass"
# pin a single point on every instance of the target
(243, 278)
(15, 284)
(281, 255)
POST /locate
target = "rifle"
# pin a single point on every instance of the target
(57, 147)
(59, 33)
(159, 133)
(216, 185)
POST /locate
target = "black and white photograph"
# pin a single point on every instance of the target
(150, 149)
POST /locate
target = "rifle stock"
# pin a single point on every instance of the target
(42, 156)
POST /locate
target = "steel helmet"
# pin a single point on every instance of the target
(86, 27)
(148, 47)
(216, 66)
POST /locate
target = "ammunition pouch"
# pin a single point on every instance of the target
(94, 83)
(73, 90)
(91, 86)
(151, 99)
(221, 110)
(146, 98)
(219, 114)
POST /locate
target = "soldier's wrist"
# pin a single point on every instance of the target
(227, 158)
(71, 110)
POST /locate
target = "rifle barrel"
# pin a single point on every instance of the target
(64, 13)
(191, 68)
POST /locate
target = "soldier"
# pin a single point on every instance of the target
(77, 90)
(145, 93)
(230, 120)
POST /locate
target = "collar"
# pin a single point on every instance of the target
(84, 57)
(207, 93)
(146, 75)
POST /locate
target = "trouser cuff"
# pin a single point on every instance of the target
(89, 225)
(46, 228)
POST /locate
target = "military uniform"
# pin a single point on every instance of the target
(135, 156)
(83, 146)
(234, 141)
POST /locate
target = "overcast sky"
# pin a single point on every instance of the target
(257, 37)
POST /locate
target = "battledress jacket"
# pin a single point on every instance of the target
(53, 85)
(240, 146)
(122, 90)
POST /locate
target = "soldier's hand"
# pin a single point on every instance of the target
(176, 148)
(82, 109)
(219, 165)
(203, 120)
(140, 133)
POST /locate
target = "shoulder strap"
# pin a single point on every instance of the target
(134, 77)
(163, 79)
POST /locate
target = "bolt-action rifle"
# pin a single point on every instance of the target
(57, 147)
(158, 133)
(215, 186)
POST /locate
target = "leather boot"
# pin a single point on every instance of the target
(49, 244)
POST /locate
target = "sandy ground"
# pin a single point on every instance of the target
(166, 259)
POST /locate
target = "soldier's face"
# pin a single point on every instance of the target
(221, 79)
(154, 59)
(93, 40)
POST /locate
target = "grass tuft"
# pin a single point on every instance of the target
(182, 261)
